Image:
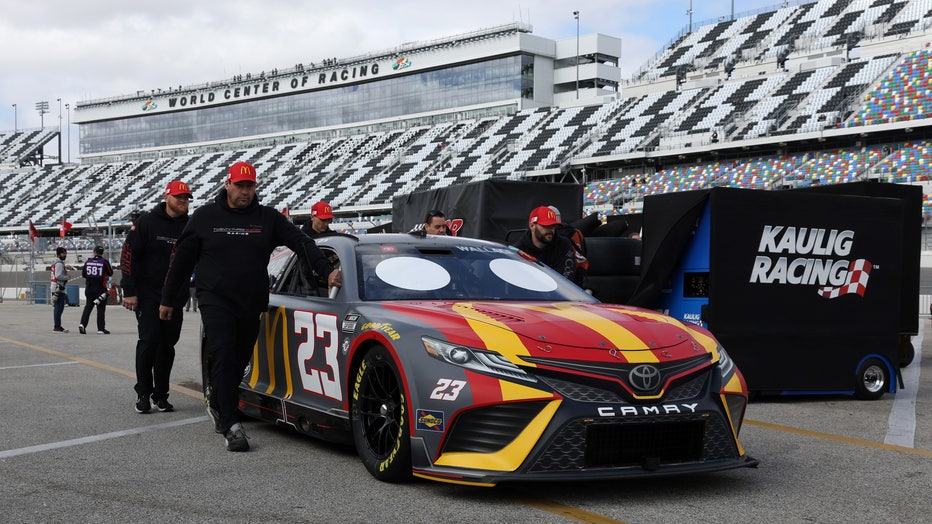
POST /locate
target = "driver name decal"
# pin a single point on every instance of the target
(810, 256)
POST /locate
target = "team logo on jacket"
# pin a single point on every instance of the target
(788, 255)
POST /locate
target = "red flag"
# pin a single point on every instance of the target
(64, 228)
(33, 232)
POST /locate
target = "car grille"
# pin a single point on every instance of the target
(682, 389)
(647, 442)
(580, 392)
(489, 429)
(608, 375)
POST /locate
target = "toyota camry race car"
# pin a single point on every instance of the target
(461, 360)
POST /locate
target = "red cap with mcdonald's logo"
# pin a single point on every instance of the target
(241, 172)
(178, 188)
(543, 216)
(322, 210)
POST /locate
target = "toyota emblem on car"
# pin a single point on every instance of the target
(644, 377)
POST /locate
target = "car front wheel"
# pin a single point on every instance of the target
(379, 417)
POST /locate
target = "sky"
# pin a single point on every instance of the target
(66, 51)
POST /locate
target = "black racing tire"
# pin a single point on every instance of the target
(873, 380)
(380, 418)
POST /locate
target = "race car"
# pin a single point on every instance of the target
(466, 361)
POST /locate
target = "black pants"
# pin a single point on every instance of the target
(155, 350)
(92, 293)
(230, 339)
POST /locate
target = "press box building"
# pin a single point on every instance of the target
(494, 71)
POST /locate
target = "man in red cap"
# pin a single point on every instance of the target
(542, 243)
(319, 225)
(144, 263)
(230, 241)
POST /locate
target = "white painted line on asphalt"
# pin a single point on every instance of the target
(97, 438)
(38, 365)
(901, 426)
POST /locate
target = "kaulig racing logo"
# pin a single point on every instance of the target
(835, 274)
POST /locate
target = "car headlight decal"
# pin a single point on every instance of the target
(481, 360)
(725, 364)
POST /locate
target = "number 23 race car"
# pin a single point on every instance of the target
(461, 360)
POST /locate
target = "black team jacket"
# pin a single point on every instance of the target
(147, 252)
(559, 255)
(231, 248)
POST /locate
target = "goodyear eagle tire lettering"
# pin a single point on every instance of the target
(379, 418)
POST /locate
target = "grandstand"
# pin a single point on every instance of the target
(806, 93)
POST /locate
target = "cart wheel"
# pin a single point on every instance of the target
(873, 379)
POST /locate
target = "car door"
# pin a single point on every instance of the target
(297, 353)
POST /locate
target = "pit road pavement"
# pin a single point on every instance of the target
(72, 449)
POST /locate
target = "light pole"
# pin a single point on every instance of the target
(690, 13)
(68, 109)
(59, 130)
(42, 108)
(14, 118)
(576, 16)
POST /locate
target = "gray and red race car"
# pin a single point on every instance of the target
(465, 361)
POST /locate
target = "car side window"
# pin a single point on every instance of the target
(321, 280)
(300, 280)
(277, 264)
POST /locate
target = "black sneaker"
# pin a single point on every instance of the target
(163, 405)
(59, 329)
(143, 405)
(103, 332)
(236, 438)
(82, 330)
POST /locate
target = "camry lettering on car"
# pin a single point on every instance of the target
(662, 409)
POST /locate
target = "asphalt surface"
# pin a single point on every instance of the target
(72, 449)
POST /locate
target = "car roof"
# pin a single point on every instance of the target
(418, 239)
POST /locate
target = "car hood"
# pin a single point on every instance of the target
(552, 328)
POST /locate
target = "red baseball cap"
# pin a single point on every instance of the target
(543, 216)
(241, 172)
(178, 188)
(322, 210)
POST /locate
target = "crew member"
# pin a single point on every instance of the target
(96, 272)
(59, 282)
(229, 241)
(144, 260)
(544, 244)
(321, 217)
(435, 222)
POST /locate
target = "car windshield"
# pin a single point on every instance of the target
(463, 272)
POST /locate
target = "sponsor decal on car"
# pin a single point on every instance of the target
(384, 327)
(430, 420)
